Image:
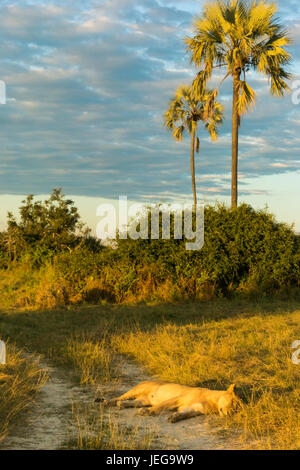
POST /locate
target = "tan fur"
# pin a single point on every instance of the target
(186, 401)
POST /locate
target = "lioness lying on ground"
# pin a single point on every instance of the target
(186, 401)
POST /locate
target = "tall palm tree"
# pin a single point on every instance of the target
(185, 111)
(240, 36)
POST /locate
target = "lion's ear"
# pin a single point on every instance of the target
(231, 388)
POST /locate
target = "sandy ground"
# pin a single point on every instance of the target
(48, 424)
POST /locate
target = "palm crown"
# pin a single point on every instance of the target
(186, 108)
(241, 36)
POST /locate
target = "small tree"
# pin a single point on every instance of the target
(54, 224)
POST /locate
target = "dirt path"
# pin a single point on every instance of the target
(48, 424)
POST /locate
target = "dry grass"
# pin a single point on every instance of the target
(92, 361)
(210, 343)
(255, 353)
(96, 432)
(24, 287)
(20, 381)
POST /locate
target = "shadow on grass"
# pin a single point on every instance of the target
(44, 331)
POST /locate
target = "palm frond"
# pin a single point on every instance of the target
(177, 133)
(186, 109)
(199, 83)
(247, 97)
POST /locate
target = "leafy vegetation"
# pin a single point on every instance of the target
(245, 252)
(43, 229)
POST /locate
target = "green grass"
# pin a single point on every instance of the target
(210, 343)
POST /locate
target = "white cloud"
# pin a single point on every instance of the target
(91, 83)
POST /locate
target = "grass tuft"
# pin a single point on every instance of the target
(92, 361)
(94, 432)
(20, 380)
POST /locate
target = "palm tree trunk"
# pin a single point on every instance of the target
(235, 141)
(193, 165)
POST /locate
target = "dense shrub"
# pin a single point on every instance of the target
(245, 251)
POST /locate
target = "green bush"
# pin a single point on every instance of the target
(243, 248)
(245, 251)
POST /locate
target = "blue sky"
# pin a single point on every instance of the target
(87, 85)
